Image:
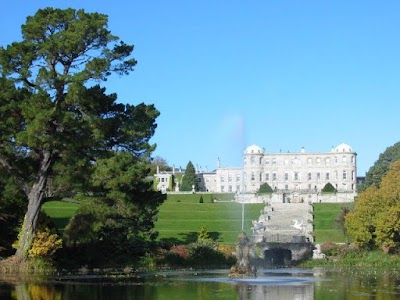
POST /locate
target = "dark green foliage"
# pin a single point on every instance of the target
(381, 167)
(119, 218)
(57, 129)
(328, 189)
(265, 188)
(189, 179)
(12, 209)
(203, 256)
(201, 199)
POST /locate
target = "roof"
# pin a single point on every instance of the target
(254, 149)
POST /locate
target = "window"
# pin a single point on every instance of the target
(344, 174)
(237, 178)
(309, 160)
(267, 161)
(286, 176)
(336, 159)
(260, 176)
(309, 176)
(252, 160)
(296, 175)
(274, 176)
(229, 178)
(318, 176)
(309, 186)
(230, 189)
(344, 158)
(352, 159)
(266, 176)
(327, 176)
(199, 179)
(222, 178)
(260, 160)
(286, 187)
(274, 161)
(252, 176)
(162, 179)
(352, 175)
(327, 160)
(286, 161)
(222, 188)
(237, 188)
(336, 175)
(318, 160)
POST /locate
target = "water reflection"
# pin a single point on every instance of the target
(270, 284)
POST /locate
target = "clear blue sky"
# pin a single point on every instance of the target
(281, 74)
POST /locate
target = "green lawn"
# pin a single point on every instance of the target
(60, 212)
(325, 225)
(181, 217)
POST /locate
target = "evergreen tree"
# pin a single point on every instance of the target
(328, 189)
(54, 123)
(189, 179)
(381, 167)
(265, 188)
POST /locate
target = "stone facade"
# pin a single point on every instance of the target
(302, 172)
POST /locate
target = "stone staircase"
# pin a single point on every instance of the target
(284, 222)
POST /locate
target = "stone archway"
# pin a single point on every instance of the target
(277, 257)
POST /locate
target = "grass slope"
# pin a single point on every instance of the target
(60, 212)
(181, 217)
(325, 225)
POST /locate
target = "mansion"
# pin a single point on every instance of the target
(302, 172)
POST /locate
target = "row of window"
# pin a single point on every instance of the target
(230, 188)
(296, 176)
(297, 161)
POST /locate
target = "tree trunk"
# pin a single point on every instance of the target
(35, 198)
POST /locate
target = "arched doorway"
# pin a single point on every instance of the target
(277, 257)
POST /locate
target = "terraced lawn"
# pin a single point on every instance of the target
(180, 218)
(325, 226)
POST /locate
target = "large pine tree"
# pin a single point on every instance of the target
(55, 123)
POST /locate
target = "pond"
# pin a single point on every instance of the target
(214, 284)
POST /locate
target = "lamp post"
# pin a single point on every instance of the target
(242, 214)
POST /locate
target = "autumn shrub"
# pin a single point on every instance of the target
(180, 250)
(226, 250)
(45, 244)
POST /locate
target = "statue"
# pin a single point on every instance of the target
(243, 266)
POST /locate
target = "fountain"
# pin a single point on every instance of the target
(243, 267)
